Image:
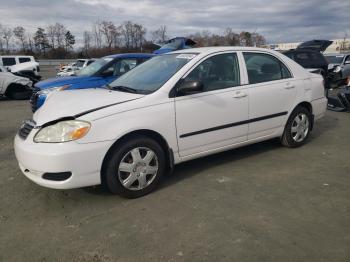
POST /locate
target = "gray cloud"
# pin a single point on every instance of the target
(277, 20)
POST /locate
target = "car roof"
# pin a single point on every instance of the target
(131, 55)
(17, 56)
(208, 50)
(336, 54)
(303, 50)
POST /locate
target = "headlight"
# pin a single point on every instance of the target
(52, 89)
(63, 131)
(337, 69)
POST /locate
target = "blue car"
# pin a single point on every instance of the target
(103, 71)
(174, 44)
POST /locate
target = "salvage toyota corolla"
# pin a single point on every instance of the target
(172, 108)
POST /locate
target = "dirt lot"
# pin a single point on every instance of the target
(258, 203)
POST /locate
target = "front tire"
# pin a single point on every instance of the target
(134, 167)
(298, 128)
(18, 92)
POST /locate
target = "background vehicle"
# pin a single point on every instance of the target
(74, 68)
(173, 108)
(177, 43)
(16, 64)
(309, 55)
(101, 72)
(340, 63)
(14, 87)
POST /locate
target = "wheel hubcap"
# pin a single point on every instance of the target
(300, 127)
(138, 168)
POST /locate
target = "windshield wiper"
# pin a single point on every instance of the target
(124, 89)
(128, 89)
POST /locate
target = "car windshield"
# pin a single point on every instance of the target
(151, 75)
(94, 67)
(174, 44)
(335, 59)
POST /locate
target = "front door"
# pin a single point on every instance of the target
(215, 117)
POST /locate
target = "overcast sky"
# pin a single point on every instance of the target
(277, 20)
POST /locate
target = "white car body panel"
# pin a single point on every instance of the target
(31, 66)
(6, 79)
(169, 117)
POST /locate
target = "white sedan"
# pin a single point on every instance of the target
(172, 108)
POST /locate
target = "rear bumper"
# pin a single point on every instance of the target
(319, 107)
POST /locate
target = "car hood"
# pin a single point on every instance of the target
(7, 78)
(61, 81)
(75, 103)
(318, 45)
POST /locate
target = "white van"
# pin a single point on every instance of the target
(20, 63)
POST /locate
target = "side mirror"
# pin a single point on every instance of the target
(190, 87)
(347, 62)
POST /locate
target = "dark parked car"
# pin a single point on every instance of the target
(340, 63)
(309, 55)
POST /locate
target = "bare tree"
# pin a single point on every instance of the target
(6, 34)
(19, 33)
(110, 32)
(60, 32)
(139, 35)
(51, 35)
(1, 40)
(133, 35)
(96, 30)
(343, 43)
(127, 34)
(159, 36)
(86, 41)
(231, 37)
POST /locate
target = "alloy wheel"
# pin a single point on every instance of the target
(300, 127)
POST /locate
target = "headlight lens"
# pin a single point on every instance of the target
(337, 69)
(53, 89)
(63, 131)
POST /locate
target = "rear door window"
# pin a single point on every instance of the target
(264, 68)
(120, 67)
(8, 61)
(24, 59)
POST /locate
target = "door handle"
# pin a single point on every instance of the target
(289, 86)
(239, 94)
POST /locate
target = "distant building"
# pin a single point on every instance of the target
(337, 46)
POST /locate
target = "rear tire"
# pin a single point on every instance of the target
(134, 168)
(298, 128)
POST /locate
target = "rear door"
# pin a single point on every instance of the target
(272, 91)
(216, 117)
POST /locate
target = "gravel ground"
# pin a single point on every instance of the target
(258, 203)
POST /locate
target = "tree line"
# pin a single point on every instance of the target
(105, 37)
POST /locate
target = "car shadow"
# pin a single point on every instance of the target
(194, 167)
(327, 123)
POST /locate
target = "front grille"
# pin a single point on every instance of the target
(26, 128)
(34, 98)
